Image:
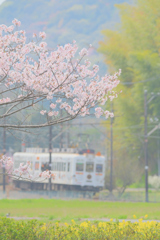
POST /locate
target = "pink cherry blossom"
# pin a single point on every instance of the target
(45, 174)
(43, 112)
(6, 160)
(5, 100)
(52, 105)
(111, 115)
(16, 22)
(42, 35)
(83, 52)
(50, 114)
(24, 169)
(55, 113)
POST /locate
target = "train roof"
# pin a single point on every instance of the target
(64, 155)
(46, 154)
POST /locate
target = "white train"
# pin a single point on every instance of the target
(73, 171)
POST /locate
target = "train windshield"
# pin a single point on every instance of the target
(79, 167)
(99, 168)
(89, 167)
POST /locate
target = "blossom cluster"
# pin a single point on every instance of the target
(154, 181)
(63, 77)
(7, 161)
(45, 174)
(23, 171)
(5, 100)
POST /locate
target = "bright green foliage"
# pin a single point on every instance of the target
(33, 230)
(135, 48)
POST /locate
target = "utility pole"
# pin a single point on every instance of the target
(158, 146)
(23, 144)
(4, 152)
(146, 145)
(61, 137)
(68, 137)
(146, 135)
(50, 155)
(23, 147)
(111, 149)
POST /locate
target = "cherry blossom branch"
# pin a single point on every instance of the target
(24, 171)
(59, 77)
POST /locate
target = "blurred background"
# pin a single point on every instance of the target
(124, 35)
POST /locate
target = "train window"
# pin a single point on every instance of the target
(99, 167)
(44, 166)
(36, 165)
(89, 167)
(54, 166)
(64, 167)
(79, 167)
(58, 166)
(68, 167)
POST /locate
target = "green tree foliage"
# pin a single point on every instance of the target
(135, 48)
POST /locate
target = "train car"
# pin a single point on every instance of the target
(72, 171)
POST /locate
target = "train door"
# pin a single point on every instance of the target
(36, 164)
(89, 173)
(78, 177)
(69, 170)
(99, 171)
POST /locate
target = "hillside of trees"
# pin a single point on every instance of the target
(64, 21)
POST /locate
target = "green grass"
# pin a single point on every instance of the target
(77, 209)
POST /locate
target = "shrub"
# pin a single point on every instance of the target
(33, 230)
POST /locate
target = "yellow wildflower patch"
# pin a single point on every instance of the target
(143, 230)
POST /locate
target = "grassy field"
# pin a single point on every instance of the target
(77, 209)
